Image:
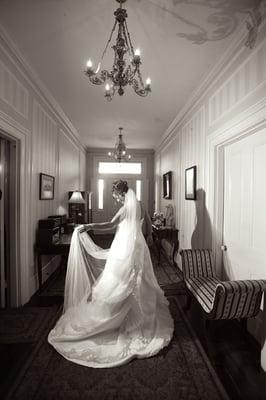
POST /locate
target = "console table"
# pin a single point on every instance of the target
(165, 232)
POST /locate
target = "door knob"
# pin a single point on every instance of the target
(224, 247)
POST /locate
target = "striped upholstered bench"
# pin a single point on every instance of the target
(219, 299)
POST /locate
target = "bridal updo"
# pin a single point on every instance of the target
(120, 187)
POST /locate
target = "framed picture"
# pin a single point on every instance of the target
(46, 187)
(167, 185)
(190, 183)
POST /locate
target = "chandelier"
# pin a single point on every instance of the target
(126, 65)
(120, 151)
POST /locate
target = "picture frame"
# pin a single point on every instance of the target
(46, 187)
(190, 183)
(167, 185)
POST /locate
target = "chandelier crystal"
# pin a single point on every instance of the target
(120, 152)
(126, 65)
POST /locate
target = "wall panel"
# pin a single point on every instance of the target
(13, 92)
(69, 173)
(244, 80)
(82, 170)
(51, 144)
(229, 93)
(44, 160)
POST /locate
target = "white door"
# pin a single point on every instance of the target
(245, 208)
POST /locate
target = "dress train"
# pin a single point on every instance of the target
(114, 309)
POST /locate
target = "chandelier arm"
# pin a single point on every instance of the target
(140, 91)
(129, 38)
(126, 39)
(140, 78)
(109, 40)
(99, 80)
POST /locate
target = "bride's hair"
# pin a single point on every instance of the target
(120, 187)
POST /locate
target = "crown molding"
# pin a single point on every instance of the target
(254, 116)
(11, 122)
(29, 74)
(236, 48)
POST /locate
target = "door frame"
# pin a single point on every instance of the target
(247, 123)
(14, 131)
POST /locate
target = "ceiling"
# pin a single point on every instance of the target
(180, 42)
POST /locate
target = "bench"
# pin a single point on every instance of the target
(219, 299)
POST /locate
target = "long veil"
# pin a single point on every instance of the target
(87, 262)
(114, 307)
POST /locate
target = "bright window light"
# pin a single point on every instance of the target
(100, 193)
(138, 190)
(119, 168)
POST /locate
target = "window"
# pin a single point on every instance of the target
(138, 189)
(119, 168)
(100, 193)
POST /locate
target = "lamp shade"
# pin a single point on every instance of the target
(76, 198)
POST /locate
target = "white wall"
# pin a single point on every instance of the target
(229, 103)
(47, 143)
(225, 98)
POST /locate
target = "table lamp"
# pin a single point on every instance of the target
(76, 198)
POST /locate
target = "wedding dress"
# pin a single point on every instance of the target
(114, 309)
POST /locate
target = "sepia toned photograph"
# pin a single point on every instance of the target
(132, 199)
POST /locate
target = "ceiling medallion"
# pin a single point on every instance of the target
(120, 151)
(126, 65)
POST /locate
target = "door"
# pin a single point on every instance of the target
(2, 226)
(245, 208)
(105, 209)
(8, 224)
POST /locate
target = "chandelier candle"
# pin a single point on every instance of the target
(126, 65)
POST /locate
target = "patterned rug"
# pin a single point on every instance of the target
(24, 324)
(168, 275)
(21, 331)
(181, 371)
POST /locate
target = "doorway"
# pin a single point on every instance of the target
(8, 222)
(244, 227)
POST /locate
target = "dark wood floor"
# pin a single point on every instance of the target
(234, 354)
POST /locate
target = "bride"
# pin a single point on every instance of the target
(114, 309)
